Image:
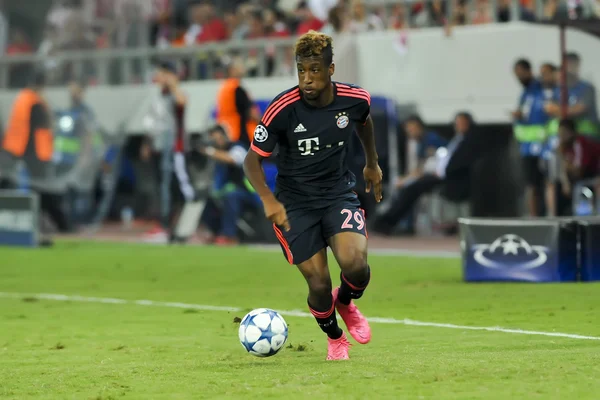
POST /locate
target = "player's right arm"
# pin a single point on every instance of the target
(266, 137)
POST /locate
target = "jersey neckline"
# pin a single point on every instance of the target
(335, 96)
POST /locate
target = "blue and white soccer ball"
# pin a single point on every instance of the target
(263, 332)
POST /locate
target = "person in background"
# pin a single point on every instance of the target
(206, 26)
(579, 156)
(337, 21)
(581, 107)
(451, 171)
(421, 146)
(166, 120)
(530, 121)
(321, 8)
(306, 20)
(524, 11)
(425, 143)
(236, 29)
(75, 147)
(581, 101)
(231, 192)
(549, 80)
(77, 89)
(29, 138)
(235, 109)
(363, 21)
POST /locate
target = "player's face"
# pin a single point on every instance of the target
(313, 76)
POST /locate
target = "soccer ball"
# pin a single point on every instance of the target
(263, 332)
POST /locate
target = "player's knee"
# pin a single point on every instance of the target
(320, 286)
(354, 262)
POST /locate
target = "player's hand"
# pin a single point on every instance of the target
(275, 212)
(373, 177)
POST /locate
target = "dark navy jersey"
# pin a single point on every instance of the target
(312, 144)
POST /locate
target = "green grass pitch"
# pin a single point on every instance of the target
(93, 350)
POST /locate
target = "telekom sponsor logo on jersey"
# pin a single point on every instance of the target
(308, 146)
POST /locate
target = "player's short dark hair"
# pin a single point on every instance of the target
(568, 123)
(315, 44)
(523, 63)
(415, 118)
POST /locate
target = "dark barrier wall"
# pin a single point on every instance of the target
(497, 177)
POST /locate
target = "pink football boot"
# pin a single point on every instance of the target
(357, 324)
(337, 349)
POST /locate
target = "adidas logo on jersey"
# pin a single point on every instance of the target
(300, 128)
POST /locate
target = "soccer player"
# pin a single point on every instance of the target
(314, 205)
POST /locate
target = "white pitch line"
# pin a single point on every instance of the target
(290, 313)
(379, 251)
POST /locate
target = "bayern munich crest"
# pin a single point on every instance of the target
(342, 120)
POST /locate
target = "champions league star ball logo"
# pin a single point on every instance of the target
(261, 134)
(510, 251)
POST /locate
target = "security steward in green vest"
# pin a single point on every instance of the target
(530, 121)
(581, 102)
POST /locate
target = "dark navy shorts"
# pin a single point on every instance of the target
(310, 229)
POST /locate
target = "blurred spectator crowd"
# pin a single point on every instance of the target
(100, 24)
(79, 25)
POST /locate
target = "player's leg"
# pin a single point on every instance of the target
(321, 304)
(345, 230)
(303, 245)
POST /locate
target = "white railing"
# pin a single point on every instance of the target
(124, 66)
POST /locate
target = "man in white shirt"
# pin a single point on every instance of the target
(452, 173)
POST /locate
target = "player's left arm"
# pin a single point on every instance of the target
(366, 133)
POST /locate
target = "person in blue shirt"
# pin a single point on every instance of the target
(549, 79)
(529, 123)
(581, 102)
